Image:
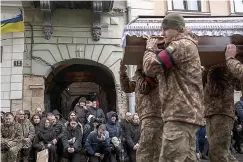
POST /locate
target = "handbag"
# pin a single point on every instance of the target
(42, 156)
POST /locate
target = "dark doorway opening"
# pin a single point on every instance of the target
(67, 83)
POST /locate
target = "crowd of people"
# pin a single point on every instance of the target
(87, 135)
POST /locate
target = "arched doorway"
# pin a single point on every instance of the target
(75, 78)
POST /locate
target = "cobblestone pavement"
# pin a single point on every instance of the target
(238, 156)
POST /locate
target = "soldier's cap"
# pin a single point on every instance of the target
(173, 21)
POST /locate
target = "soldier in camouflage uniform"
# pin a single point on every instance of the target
(149, 111)
(219, 112)
(234, 65)
(178, 70)
(28, 134)
(11, 135)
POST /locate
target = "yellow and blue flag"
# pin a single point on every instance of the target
(15, 24)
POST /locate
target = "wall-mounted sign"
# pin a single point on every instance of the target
(17, 63)
(79, 77)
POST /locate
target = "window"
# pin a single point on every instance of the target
(186, 5)
(237, 6)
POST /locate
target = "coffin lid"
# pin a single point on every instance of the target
(200, 25)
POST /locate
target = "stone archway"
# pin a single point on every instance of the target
(71, 43)
(59, 91)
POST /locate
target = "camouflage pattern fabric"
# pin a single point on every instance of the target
(181, 86)
(146, 104)
(236, 68)
(28, 133)
(11, 135)
(219, 129)
(150, 140)
(178, 142)
(219, 88)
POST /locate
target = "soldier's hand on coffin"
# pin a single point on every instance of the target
(152, 44)
(123, 68)
(230, 51)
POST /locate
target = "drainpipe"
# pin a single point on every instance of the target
(131, 96)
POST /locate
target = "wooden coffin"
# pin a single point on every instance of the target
(211, 49)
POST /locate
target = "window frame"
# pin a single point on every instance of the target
(232, 7)
(185, 4)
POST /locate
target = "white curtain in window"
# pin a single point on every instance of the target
(192, 5)
(178, 4)
(238, 5)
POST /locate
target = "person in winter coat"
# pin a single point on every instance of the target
(59, 127)
(27, 114)
(81, 111)
(86, 130)
(98, 144)
(237, 135)
(234, 65)
(239, 109)
(125, 124)
(202, 142)
(133, 137)
(96, 113)
(28, 134)
(72, 141)
(2, 117)
(219, 112)
(11, 137)
(114, 129)
(36, 121)
(178, 70)
(44, 140)
(58, 115)
(149, 110)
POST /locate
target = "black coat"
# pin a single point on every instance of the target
(133, 135)
(81, 114)
(98, 113)
(71, 133)
(43, 137)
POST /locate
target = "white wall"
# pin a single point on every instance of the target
(13, 49)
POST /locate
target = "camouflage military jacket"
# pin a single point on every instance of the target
(219, 92)
(181, 85)
(11, 133)
(28, 132)
(146, 104)
(28, 129)
(236, 68)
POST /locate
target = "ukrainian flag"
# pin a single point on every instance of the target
(15, 24)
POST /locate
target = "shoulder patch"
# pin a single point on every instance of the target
(171, 49)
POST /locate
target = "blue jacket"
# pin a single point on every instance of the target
(239, 109)
(114, 129)
(94, 145)
(200, 134)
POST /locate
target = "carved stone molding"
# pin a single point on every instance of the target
(97, 10)
(46, 7)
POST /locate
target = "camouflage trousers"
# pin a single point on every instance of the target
(178, 142)
(219, 129)
(12, 154)
(150, 140)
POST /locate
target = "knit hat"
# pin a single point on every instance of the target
(173, 21)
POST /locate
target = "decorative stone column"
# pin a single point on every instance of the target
(122, 102)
